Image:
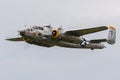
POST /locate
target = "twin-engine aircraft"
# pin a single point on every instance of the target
(46, 36)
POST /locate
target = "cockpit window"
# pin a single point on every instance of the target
(37, 27)
(40, 28)
(48, 26)
(28, 29)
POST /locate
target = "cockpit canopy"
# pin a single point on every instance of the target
(37, 28)
(48, 26)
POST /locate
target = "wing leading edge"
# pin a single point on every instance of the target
(81, 32)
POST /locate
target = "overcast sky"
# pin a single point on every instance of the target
(20, 61)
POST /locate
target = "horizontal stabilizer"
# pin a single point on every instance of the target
(98, 40)
(15, 39)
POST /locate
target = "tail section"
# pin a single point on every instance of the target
(111, 35)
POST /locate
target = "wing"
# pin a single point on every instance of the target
(15, 39)
(81, 32)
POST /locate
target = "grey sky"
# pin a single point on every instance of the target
(20, 61)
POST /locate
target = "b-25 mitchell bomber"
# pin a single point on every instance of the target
(46, 36)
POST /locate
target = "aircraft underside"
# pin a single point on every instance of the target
(72, 43)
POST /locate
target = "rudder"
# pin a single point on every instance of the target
(111, 35)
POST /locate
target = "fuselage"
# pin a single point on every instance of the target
(41, 36)
(46, 36)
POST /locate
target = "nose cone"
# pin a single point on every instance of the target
(22, 33)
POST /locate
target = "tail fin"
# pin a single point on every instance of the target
(111, 35)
